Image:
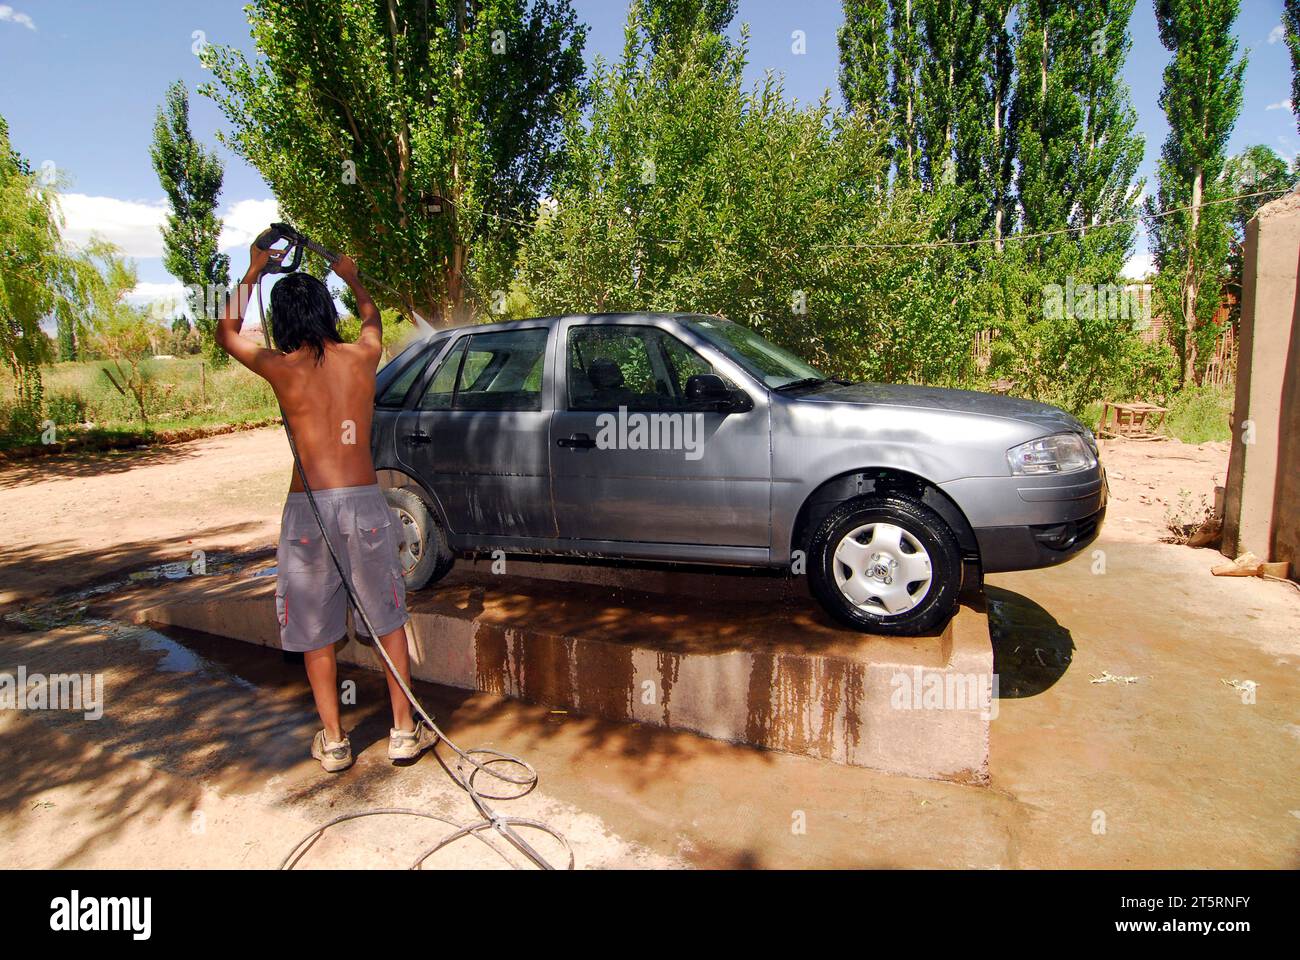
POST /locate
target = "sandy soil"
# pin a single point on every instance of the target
(1147, 480)
(67, 520)
(200, 759)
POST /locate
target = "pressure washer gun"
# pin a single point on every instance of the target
(297, 243)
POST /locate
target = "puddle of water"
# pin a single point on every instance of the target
(176, 657)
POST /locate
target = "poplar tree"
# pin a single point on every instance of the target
(950, 45)
(1291, 21)
(1105, 185)
(1047, 117)
(671, 24)
(986, 140)
(1201, 98)
(905, 55)
(191, 176)
(864, 58)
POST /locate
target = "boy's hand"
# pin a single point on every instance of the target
(258, 259)
(346, 269)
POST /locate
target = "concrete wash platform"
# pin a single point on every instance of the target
(740, 658)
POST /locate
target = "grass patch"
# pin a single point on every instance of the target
(1200, 414)
(185, 393)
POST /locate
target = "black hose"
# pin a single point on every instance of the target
(466, 758)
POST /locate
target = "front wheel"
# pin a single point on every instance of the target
(422, 548)
(886, 564)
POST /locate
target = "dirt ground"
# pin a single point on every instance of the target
(1123, 738)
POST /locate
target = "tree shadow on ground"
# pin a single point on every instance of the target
(20, 471)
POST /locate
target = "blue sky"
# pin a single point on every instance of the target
(83, 79)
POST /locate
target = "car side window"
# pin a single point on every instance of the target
(502, 371)
(641, 368)
(443, 385)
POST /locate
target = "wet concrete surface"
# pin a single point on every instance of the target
(1171, 770)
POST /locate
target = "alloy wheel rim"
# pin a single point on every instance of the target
(882, 568)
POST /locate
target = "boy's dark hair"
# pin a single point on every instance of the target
(303, 314)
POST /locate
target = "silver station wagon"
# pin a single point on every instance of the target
(692, 440)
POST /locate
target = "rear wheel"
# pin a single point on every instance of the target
(422, 547)
(886, 564)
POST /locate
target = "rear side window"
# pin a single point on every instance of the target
(397, 390)
(410, 364)
(502, 371)
(641, 368)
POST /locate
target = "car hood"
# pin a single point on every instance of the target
(940, 398)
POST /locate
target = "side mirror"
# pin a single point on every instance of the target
(710, 392)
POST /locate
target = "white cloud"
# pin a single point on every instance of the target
(134, 225)
(9, 15)
(1139, 266)
(245, 220)
(1280, 105)
(1276, 34)
(131, 225)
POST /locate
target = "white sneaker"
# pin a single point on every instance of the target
(409, 744)
(333, 755)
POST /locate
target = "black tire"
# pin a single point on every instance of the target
(933, 604)
(425, 557)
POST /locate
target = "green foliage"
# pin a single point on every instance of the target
(65, 407)
(1200, 414)
(416, 136)
(1256, 170)
(685, 191)
(126, 336)
(396, 330)
(191, 176)
(864, 58)
(82, 401)
(42, 278)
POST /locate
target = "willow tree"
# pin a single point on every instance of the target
(42, 278)
(417, 136)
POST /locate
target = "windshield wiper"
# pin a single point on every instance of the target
(808, 382)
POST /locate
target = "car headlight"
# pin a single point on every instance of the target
(1059, 453)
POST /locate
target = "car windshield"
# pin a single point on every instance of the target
(766, 361)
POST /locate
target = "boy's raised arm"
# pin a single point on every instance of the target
(232, 316)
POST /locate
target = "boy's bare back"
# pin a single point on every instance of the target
(329, 407)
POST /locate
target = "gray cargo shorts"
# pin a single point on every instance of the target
(310, 601)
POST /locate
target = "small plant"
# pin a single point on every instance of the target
(65, 408)
(1185, 518)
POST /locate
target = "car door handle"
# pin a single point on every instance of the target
(418, 437)
(577, 440)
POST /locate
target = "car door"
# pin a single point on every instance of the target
(477, 435)
(393, 384)
(633, 460)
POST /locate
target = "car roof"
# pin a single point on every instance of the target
(549, 322)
